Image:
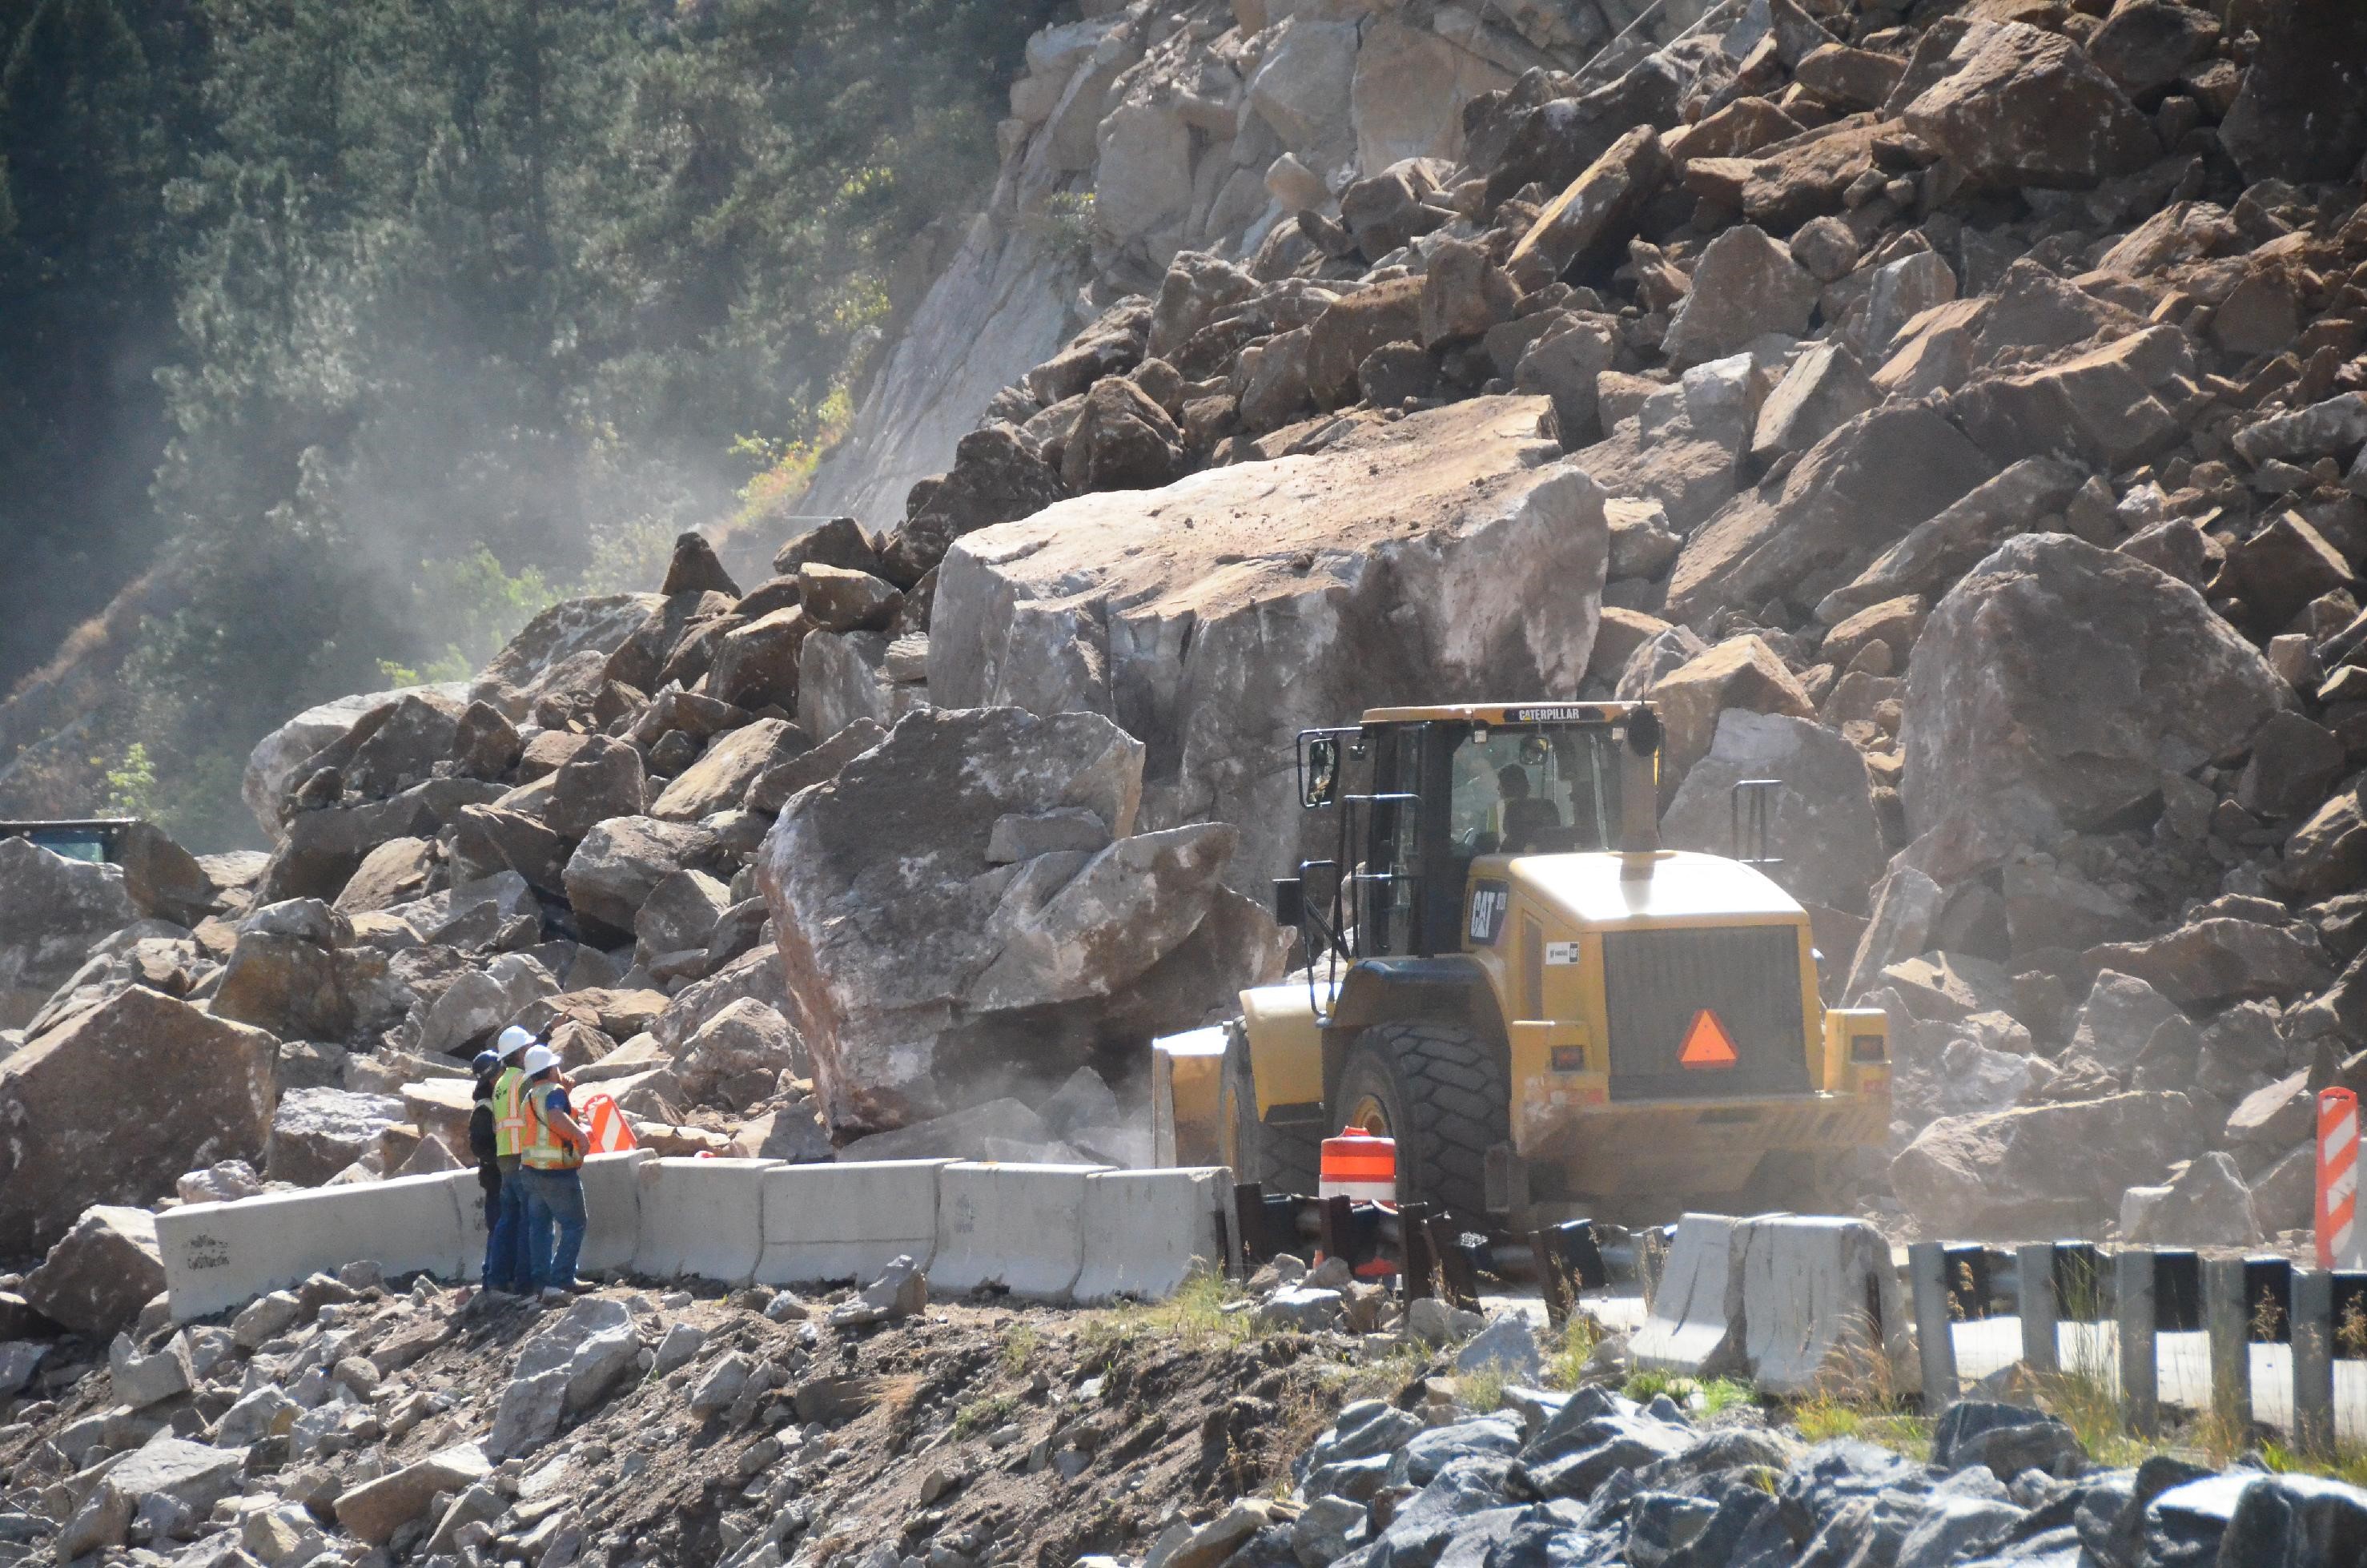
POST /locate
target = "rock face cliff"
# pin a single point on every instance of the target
(1137, 133)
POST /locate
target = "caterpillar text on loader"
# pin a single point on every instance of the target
(1550, 1014)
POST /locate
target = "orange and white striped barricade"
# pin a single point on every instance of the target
(2339, 1241)
(609, 1132)
(1360, 1166)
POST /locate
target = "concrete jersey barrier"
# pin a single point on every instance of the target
(1821, 1307)
(1046, 1232)
(1020, 1227)
(825, 1223)
(1694, 1326)
(221, 1255)
(1144, 1232)
(701, 1217)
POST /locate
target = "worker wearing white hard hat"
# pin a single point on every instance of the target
(509, 1265)
(551, 1161)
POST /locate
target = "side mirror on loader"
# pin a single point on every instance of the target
(1290, 903)
(1318, 772)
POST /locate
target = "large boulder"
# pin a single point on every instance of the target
(1852, 497)
(1742, 673)
(2043, 1170)
(315, 1134)
(271, 766)
(1448, 556)
(1996, 735)
(113, 1105)
(600, 624)
(2302, 112)
(622, 861)
(2023, 107)
(1823, 834)
(924, 975)
(1746, 286)
(51, 910)
(738, 1055)
(287, 973)
(100, 1273)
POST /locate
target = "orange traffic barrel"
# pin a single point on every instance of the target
(1361, 1166)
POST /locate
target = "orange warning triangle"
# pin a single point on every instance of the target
(1706, 1044)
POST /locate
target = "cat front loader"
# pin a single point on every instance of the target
(1549, 1013)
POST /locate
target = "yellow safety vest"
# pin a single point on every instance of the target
(544, 1148)
(509, 1112)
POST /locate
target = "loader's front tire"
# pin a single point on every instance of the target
(1279, 1157)
(1439, 1089)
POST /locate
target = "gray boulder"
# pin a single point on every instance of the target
(1996, 737)
(114, 1104)
(51, 910)
(919, 970)
(1823, 830)
(315, 1134)
(1389, 567)
(2038, 1170)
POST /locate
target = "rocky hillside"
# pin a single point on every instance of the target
(1954, 412)
(1972, 401)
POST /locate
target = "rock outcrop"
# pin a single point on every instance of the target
(937, 956)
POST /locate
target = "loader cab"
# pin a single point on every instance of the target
(1423, 793)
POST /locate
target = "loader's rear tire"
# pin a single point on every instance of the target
(1279, 1157)
(1440, 1091)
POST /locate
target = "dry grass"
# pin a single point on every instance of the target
(1196, 1315)
(1566, 1364)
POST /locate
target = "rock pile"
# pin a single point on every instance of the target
(354, 1422)
(573, 842)
(1974, 397)
(351, 1423)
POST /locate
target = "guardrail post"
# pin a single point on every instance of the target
(2040, 1346)
(2312, 1360)
(1553, 1284)
(1421, 1267)
(2229, 1325)
(2132, 1276)
(1453, 1263)
(1336, 1229)
(1935, 1340)
(1248, 1226)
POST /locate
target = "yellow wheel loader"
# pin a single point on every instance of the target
(1550, 1014)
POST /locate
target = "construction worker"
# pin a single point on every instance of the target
(551, 1157)
(488, 1069)
(509, 1262)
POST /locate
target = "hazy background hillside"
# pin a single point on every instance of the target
(362, 327)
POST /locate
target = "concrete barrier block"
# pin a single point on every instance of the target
(1017, 1226)
(469, 1200)
(612, 1211)
(827, 1222)
(221, 1255)
(1694, 1327)
(1145, 1231)
(701, 1217)
(1821, 1307)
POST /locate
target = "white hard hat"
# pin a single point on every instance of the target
(539, 1059)
(512, 1040)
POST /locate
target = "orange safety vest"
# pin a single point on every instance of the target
(545, 1148)
(509, 1112)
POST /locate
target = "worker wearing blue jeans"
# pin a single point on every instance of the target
(550, 1164)
(507, 1265)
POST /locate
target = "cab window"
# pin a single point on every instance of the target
(1535, 791)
